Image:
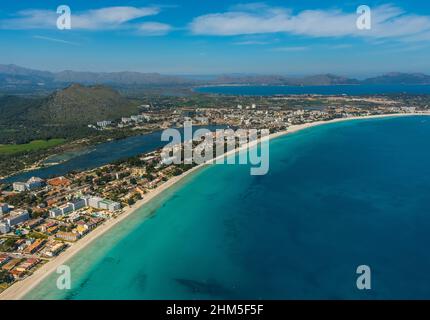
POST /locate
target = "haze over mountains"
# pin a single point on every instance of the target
(14, 77)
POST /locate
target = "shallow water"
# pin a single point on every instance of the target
(337, 196)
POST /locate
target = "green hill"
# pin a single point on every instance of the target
(63, 114)
(81, 105)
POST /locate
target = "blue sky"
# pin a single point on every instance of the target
(217, 36)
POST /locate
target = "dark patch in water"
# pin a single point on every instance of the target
(204, 287)
(140, 281)
(174, 196)
(152, 214)
(76, 291)
(252, 192)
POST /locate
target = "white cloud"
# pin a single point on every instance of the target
(154, 29)
(387, 22)
(97, 19)
(112, 17)
(31, 19)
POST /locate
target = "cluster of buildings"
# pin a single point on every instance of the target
(155, 120)
(12, 219)
(245, 116)
(33, 183)
(64, 209)
(45, 218)
(134, 120)
(86, 201)
(17, 267)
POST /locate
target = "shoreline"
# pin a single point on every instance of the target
(21, 288)
(82, 151)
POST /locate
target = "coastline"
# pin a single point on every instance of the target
(21, 288)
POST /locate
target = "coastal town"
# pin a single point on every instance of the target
(42, 218)
(213, 158)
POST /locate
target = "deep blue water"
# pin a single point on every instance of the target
(337, 196)
(323, 90)
(101, 154)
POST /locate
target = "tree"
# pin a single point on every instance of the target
(5, 277)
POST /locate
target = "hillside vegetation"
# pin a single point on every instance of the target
(63, 114)
(82, 105)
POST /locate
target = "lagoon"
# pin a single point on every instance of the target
(98, 155)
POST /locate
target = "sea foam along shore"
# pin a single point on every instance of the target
(21, 288)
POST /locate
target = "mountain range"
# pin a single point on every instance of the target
(13, 77)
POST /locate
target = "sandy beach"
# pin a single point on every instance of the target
(21, 288)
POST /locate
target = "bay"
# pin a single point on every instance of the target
(337, 196)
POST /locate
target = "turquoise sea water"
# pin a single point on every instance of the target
(337, 196)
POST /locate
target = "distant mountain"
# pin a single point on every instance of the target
(17, 78)
(399, 78)
(12, 76)
(123, 78)
(14, 70)
(249, 79)
(323, 79)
